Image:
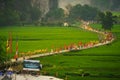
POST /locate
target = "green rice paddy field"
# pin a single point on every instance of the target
(101, 63)
(34, 38)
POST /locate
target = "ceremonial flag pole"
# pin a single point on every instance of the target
(7, 51)
(10, 41)
(16, 54)
(10, 46)
(7, 47)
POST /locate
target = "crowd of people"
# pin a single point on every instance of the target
(107, 37)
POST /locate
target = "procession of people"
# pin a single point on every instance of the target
(104, 38)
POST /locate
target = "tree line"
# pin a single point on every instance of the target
(18, 12)
(15, 12)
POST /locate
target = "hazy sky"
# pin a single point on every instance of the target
(63, 3)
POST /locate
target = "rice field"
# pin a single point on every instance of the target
(100, 63)
(34, 38)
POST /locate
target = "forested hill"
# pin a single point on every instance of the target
(24, 12)
(101, 4)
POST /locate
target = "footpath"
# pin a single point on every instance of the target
(107, 39)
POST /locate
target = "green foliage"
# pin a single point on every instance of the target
(23, 8)
(8, 15)
(56, 13)
(83, 12)
(15, 12)
(2, 50)
(28, 13)
(55, 16)
(117, 14)
(107, 20)
(35, 13)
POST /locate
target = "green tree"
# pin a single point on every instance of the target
(55, 16)
(35, 14)
(83, 12)
(23, 7)
(107, 20)
(28, 11)
(8, 15)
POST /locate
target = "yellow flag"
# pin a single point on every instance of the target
(7, 46)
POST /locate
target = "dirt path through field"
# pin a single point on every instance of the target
(84, 26)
